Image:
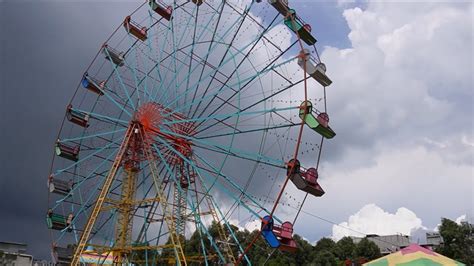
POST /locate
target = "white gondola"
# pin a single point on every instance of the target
(306, 181)
(59, 186)
(113, 55)
(313, 68)
(62, 256)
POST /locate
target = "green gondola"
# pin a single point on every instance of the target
(319, 123)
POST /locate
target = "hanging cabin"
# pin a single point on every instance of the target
(113, 55)
(62, 256)
(76, 117)
(58, 222)
(276, 236)
(314, 69)
(198, 2)
(59, 186)
(285, 235)
(280, 5)
(160, 8)
(298, 26)
(93, 84)
(306, 181)
(319, 123)
(67, 152)
(135, 29)
(267, 232)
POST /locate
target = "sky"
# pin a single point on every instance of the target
(401, 103)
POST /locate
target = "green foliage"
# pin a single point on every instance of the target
(367, 249)
(458, 241)
(345, 248)
(324, 252)
(324, 258)
(325, 244)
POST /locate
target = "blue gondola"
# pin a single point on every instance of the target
(280, 237)
(93, 84)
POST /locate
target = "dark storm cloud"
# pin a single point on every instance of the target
(45, 47)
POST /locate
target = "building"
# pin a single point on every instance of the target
(14, 254)
(387, 244)
(433, 240)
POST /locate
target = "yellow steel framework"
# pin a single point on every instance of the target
(125, 205)
(101, 198)
(123, 230)
(167, 216)
(220, 229)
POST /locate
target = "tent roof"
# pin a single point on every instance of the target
(413, 255)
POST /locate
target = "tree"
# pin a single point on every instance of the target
(345, 248)
(304, 253)
(458, 241)
(324, 258)
(325, 244)
(367, 249)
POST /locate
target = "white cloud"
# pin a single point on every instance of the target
(461, 218)
(253, 225)
(371, 219)
(401, 104)
(406, 78)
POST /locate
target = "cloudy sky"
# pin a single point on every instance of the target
(401, 103)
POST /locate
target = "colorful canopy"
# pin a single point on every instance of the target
(91, 257)
(413, 255)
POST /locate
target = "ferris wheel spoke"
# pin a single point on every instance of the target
(177, 62)
(195, 209)
(217, 172)
(151, 57)
(211, 48)
(161, 75)
(202, 227)
(119, 77)
(133, 67)
(84, 137)
(211, 96)
(228, 179)
(105, 118)
(236, 114)
(222, 63)
(89, 156)
(261, 101)
(207, 55)
(215, 95)
(191, 56)
(216, 206)
(208, 49)
(265, 70)
(262, 129)
(212, 146)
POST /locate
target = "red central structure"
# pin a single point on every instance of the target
(156, 122)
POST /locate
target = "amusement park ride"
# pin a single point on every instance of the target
(170, 124)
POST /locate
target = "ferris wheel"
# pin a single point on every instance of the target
(191, 114)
